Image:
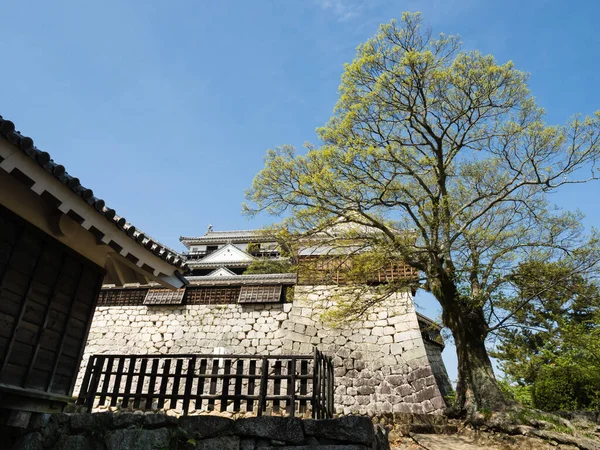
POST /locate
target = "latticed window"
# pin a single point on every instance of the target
(211, 295)
(260, 294)
(164, 297)
(122, 297)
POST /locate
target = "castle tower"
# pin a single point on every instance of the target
(245, 297)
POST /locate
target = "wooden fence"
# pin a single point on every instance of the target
(281, 384)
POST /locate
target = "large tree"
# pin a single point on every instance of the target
(451, 146)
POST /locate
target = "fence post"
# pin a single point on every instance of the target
(264, 380)
(331, 388)
(189, 380)
(86, 381)
(99, 364)
(315, 388)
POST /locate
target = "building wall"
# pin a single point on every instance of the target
(381, 362)
(47, 297)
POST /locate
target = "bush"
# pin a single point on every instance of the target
(566, 388)
(521, 394)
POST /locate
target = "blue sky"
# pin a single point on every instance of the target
(166, 109)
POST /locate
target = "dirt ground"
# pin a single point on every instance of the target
(469, 441)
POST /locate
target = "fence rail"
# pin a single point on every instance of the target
(289, 384)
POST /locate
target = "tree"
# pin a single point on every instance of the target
(450, 146)
(552, 342)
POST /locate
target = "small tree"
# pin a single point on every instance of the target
(451, 146)
(551, 344)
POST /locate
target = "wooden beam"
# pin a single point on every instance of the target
(63, 337)
(88, 325)
(115, 272)
(42, 330)
(19, 318)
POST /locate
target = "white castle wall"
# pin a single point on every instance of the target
(381, 362)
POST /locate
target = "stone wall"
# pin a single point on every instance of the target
(107, 431)
(382, 364)
(434, 355)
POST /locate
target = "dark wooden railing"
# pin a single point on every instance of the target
(281, 384)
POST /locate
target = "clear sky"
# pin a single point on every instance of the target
(166, 109)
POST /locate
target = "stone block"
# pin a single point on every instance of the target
(284, 429)
(349, 400)
(158, 420)
(80, 442)
(366, 390)
(92, 422)
(219, 443)
(370, 339)
(137, 439)
(203, 427)
(356, 338)
(348, 429)
(311, 331)
(363, 399)
(385, 340)
(31, 441)
(438, 402)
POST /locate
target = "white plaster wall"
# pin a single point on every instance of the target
(381, 363)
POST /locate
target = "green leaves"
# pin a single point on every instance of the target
(450, 147)
(553, 341)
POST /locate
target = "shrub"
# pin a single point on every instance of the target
(566, 388)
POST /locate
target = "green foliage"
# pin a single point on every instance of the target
(528, 416)
(451, 145)
(521, 394)
(266, 266)
(253, 247)
(450, 398)
(551, 346)
(566, 388)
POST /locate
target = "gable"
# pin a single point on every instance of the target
(221, 272)
(228, 253)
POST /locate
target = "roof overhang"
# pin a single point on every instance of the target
(244, 280)
(216, 264)
(34, 192)
(233, 237)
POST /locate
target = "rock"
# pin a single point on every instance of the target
(79, 442)
(18, 419)
(91, 422)
(57, 425)
(320, 447)
(159, 420)
(219, 443)
(381, 438)
(38, 421)
(31, 441)
(138, 439)
(203, 427)
(248, 444)
(128, 419)
(285, 429)
(581, 442)
(352, 429)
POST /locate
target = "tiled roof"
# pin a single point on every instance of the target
(230, 235)
(192, 264)
(7, 129)
(241, 280)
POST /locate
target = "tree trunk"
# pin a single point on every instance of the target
(477, 388)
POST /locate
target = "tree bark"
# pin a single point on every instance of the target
(477, 388)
